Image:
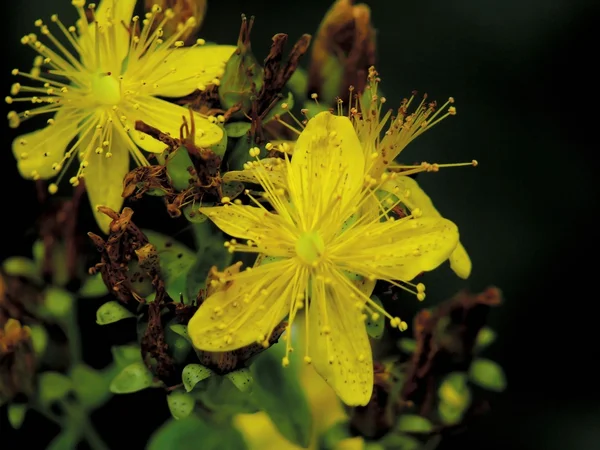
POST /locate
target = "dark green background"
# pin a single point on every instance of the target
(522, 73)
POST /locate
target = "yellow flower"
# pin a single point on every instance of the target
(398, 131)
(97, 84)
(321, 253)
(380, 152)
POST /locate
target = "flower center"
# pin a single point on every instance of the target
(106, 89)
(310, 247)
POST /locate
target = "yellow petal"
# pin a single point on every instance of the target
(248, 308)
(417, 198)
(271, 233)
(271, 168)
(168, 118)
(104, 179)
(119, 12)
(328, 162)
(51, 141)
(397, 250)
(350, 371)
(460, 262)
(195, 68)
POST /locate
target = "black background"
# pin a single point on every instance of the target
(523, 76)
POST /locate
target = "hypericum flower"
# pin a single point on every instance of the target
(383, 137)
(322, 251)
(97, 81)
(17, 364)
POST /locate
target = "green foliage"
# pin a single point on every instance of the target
(181, 404)
(192, 432)
(237, 129)
(277, 391)
(52, 386)
(455, 398)
(407, 345)
(132, 378)
(175, 261)
(241, 379)
(16, 414)
(487, 374)
(413, 423)
(336, 433)
(22, 267)
(90, 385)
(67, 439)
(485, 338)
(178, 165)
(211, 252)
(93, 286)
(58, 303)
(111, 312)
(375, 326)
(193, 374)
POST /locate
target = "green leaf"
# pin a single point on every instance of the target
(413, 423)
(278, 108)
(376, 326)
(111, 312)
(407, 345)
(16, 414)
(177, 165)
(132, 378)
(181, 404)
(232, 189)
(193, 374)
(487, 374)
(278, 392)
(220, 147)
(181, 330)
(225, 399)
(53, 386)
(93, 286)
(176, 260)
(22, 267)
(330, 439)
(179, 346)
(211, 252)
(58, 302)
(39, 337)
(124, 355)
(333, 74)
(399, 442)
(239, 155)
(192, 214)
(90, 386)
(242, 379)
(192, 433)
(485, 337)
(298, 83)
(67, 439)
(455, 397)
(237, 129)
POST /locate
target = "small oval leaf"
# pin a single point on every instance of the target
(39, 338)
(487, 374)
(53, 386)
(407, 345)
(112, 312)
(180, 404)
(484, 338)
(178, 163)
(58, 302)
(181, 330)
(93, 286)
(375, 324)
(192, 214)
(22, 267)
(16, 414)
(413, 423)
(193, 374)
(237, 129)
(242, 379)
(132, 378)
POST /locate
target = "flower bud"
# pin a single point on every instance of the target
(342, 52)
